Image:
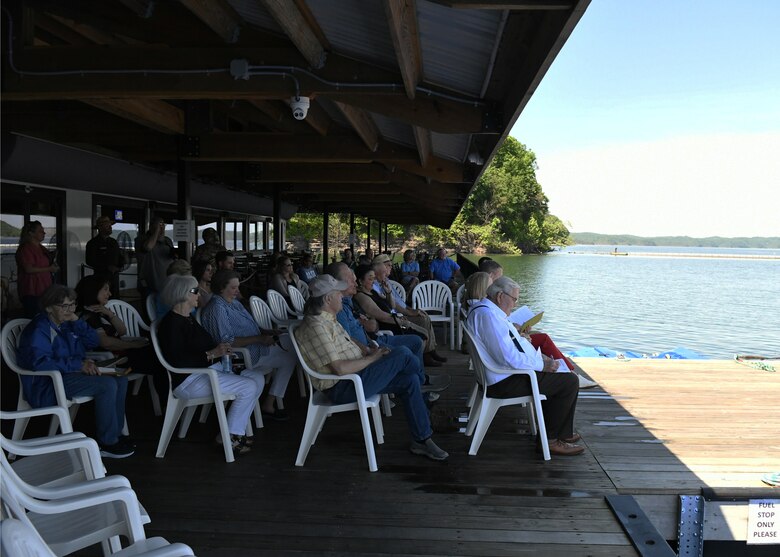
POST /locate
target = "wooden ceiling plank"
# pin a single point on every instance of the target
(158, 115)
(53, 26)
(218, 15)
(424, 142)
(402, 21)
(92, 34)
(321, 173)
(141, 8)
(299, 29)
(362, 123)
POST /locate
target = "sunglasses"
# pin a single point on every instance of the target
(194, 290)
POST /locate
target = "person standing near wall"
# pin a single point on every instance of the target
(103, 254)
(34, 266)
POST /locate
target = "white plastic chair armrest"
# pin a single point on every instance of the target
(246, 356)
(87, 487)
(168, 550)
(56, 379)
(47, 441)
(61, 413)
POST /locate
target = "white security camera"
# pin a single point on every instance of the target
(300, 107)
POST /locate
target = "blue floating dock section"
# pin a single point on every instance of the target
(680, 353)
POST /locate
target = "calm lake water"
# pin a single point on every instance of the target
(651, 303)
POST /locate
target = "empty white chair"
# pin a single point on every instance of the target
(484, 409)
(280, 312)
(177, 406)
(136, 328)
(75, 516)
(261, 312)
(11, 335)
(297, 300)
(321, 407)
(435, 298)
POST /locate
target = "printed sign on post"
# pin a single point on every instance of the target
(763, 527)
(182, 230)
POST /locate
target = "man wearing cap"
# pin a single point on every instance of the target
(327, 348)
(358, 325)
(103, 254)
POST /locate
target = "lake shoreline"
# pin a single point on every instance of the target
(674, 255)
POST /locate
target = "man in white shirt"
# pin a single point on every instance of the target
(488, 320)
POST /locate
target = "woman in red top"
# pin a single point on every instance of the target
(34, 267)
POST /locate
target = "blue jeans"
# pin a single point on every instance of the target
(109, 394)
(398, 372)
(414, 343)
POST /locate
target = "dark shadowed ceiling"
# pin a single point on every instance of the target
(408, 99)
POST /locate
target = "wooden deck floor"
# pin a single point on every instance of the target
(655, 428)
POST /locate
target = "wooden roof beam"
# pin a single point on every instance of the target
(218, 15)
(402, 20)
(362, 123)
(299, 29)
(318, 173)
(158, 115)
(424, 142)
(141, 8)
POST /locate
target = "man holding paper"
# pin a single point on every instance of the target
(489, 320)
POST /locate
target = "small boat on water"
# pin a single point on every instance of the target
(601, 352)
(616, 252)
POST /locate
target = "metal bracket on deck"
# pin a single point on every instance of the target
(643, 535)
(690, 531)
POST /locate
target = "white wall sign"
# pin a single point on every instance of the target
(183, 230)
(763, 526)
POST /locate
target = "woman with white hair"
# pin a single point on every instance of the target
(185, 343)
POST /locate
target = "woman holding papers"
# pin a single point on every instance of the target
(58, 340)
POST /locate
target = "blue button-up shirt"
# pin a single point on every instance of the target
(225, 321)
(347, 320)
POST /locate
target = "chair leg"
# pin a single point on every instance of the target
(474, 415)
(473, 396)
(486, 415)
(172, 414)
(314, 417)
(186, 421)
(531, 419)
(204, 413)
(280, 403)
(155, 397)
(386, 407)
(301, 381)
(368, 439)
(224, 431)
(258, 412)
(137, 385)
(125, 429)
(379, 428)
(73, 410)
(452, 334)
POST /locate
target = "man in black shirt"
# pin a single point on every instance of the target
(103, 254)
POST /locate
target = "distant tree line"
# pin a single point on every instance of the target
(505, 213)
(593, 238)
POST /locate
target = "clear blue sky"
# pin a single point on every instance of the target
(662, 118)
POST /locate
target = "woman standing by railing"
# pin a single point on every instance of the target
(34, 267)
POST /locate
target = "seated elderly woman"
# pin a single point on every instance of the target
(56, 339)
(383, 308)
(93, 294)
(227, 320)
(186, 344)
(284, 276)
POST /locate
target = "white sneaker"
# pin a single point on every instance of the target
(586, 383)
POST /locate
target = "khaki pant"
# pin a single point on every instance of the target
(424, 323)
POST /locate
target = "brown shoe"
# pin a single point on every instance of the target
(438, 357)
(573, 439)
(429, 361)
(560, 448)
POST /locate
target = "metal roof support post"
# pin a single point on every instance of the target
(352, 232)
(184, 201)
(277, 219)
(379, 239)
(387, 246)
(368, 233)
(325, 223)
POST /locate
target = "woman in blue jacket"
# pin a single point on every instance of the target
(57, 340)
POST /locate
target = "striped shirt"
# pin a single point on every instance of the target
(323, 340)
(227, 320)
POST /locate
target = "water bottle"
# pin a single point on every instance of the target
(227, 364)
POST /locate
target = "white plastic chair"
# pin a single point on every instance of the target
(56, 460)
(281, 313)
(484, 409)
(135, 327)
(19, 538)
(151, 307)
(297, 300)
(9, 342)
(177, 406)
(320, 408)
(75, 516)
(398, 288)
(261, 312)
(435, 298)
(264, 319)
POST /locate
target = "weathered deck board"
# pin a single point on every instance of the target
(716, 431)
